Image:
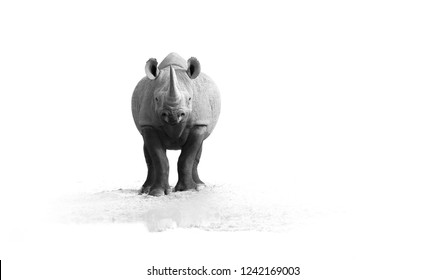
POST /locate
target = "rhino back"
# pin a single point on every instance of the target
(206, 102)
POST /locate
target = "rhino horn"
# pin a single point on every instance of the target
(173, 97)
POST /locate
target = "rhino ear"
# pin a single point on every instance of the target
(152, 70)
(193, 68)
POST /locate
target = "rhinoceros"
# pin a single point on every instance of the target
(175, 106)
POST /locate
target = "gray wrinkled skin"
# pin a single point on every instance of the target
(175, 106)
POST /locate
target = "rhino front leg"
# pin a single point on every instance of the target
(197, 180)
(187, 158)
(150, 173)
(160, 163)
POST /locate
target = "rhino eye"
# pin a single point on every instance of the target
(156, 98)
(190, 98)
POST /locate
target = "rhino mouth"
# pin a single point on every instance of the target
(173, 122)
(173, 117)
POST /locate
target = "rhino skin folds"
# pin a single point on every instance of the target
(175, 107)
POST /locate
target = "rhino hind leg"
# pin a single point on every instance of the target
(197, 180)
(158, 173)
(150, 173)
(187, 162)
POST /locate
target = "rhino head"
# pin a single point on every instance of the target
(173, 92)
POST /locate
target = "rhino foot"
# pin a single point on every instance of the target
(144, 189)
(157, 192)
(181, 186)
(201, 186)
(154, 191)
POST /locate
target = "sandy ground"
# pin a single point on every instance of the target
(106, 230)
(216, 207)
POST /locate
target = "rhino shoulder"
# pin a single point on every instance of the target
(142, 92)
(141, 88)
(206, 101)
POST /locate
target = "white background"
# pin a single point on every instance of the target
(338, 104)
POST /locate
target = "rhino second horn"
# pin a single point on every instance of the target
(174, 96)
